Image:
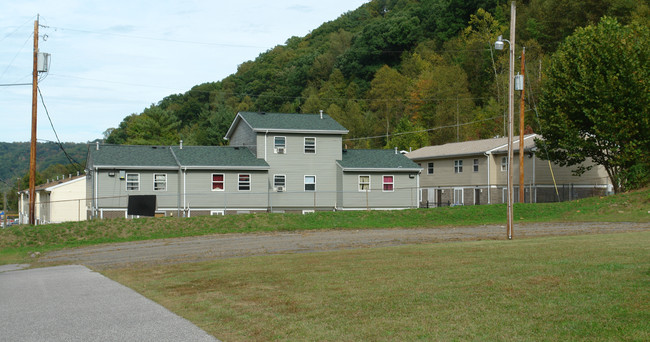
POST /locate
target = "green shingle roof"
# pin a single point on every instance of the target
(217, 155)
(127, 155)
(289, 122)
(162, 157)
(376, 159)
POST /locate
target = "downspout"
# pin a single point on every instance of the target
(419, 192)
(180, 172)
(489, 190)
(268, 176)
(185, 193)
(95, 193)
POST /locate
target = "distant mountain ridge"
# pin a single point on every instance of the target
(14, 158)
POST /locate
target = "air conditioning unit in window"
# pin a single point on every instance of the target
(279, 150)
(279, 189)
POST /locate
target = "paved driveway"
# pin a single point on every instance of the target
(73, 303)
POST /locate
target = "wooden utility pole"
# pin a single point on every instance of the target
(32, 153)
(511, 126)
(521, 128)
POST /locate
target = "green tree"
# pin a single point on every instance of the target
(388, 94)
(595, 102)
(154, 126)
(408, 136)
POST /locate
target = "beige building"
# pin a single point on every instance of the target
(56, 201)
(475, 172)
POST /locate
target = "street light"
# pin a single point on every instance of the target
(499, 45)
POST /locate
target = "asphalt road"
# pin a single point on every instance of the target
(73, 303)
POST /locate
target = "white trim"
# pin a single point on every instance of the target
(239, 182)
(217, 212)
(126, 183)
(369, 183)
(383, 183)
(304, 150)
(305, 183)
(276, 187)
(154, 182)
(212, 182)
(462, 196)
(276, 148)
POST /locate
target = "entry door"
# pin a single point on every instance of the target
(439, 198)
(477, 196)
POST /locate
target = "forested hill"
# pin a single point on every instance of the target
(385, 68)
(51, 162)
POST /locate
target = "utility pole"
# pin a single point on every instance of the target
(511, 126)
(32, 153)
(521, 128)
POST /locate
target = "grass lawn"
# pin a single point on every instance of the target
(17, 242)
(590, 288)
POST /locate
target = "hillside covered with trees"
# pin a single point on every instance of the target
(387, 68)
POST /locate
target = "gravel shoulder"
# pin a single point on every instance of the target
(202, 248)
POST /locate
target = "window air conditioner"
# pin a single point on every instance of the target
(280, 150)
(279, 189)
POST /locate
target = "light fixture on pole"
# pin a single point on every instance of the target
(499, 45)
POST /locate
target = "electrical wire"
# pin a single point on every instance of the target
(70, 159)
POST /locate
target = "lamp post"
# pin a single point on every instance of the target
(499, 45)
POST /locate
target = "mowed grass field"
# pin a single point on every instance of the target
(578, 288)
(18, 242)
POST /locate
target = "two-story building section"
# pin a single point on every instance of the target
(475, 172)
(276, 162)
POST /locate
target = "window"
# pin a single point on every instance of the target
(310, 145)
(279, 182)
(310, 183)
(458, 166)
(244, 182)
(364, 183)
(159, 182)
(504, 164)
(458, 196)
(475, 165)
(132, 182)
(218, 182)
(430, 168)
(388, 182)
(280, 145)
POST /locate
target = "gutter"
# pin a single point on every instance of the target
(180, 172)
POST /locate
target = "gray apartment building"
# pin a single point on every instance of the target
(275, 162)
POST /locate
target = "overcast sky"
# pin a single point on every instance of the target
(110, 59)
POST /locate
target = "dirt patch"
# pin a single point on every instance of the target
(201, 248)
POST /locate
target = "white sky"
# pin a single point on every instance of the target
(110, 59)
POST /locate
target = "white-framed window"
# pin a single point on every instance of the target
(388, 183)
(217, 212)
(132, 182)
(458, 166)
(310, 145)
(310, 183)
(280, 145)
(159, 182)
(458, 196)
(244, 182)
(475, 165)
(279, 182)
(218, 182)
(430, 168)
(504, 163)
(364, 183)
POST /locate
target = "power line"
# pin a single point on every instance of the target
(423, 130)
(70, 159)
(160, 39)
